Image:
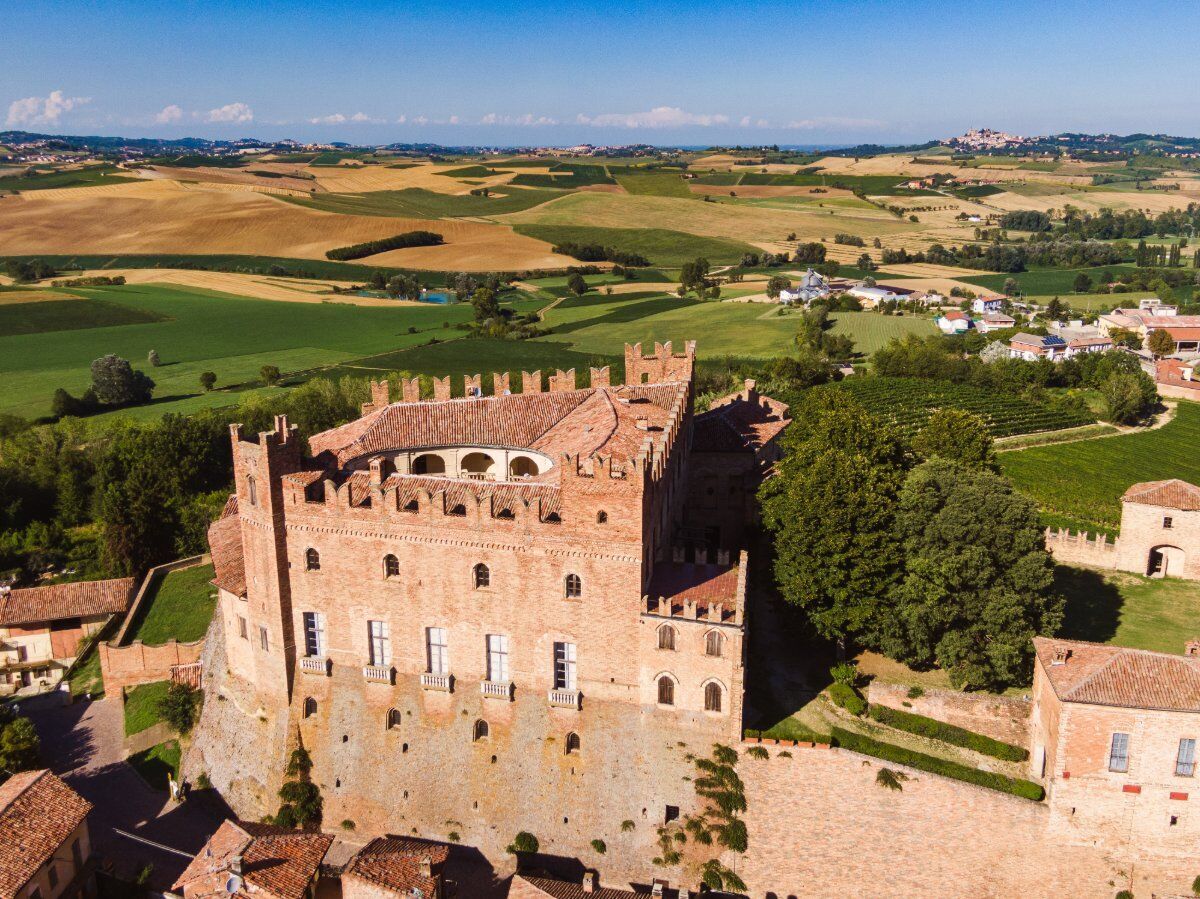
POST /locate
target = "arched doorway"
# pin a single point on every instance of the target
(522, 467)
(1165, 561)
(429, 464)
(477, 465)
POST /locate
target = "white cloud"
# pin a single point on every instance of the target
(359, 118)
(420, 120)
(831, 122)
(453, 120)
(231, 112)
(42, 110)
(528, 120)
(336, 119)
(169, 114)
(401, 120)
(658, 117)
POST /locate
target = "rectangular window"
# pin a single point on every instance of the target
(381, 654)
(564, 666)
(1118, 753)
(264, 640)
(1168, 522)
(314, 634)
(1185, 761)
(243, 627)
(52, 874)
(77, 855)
(497, 658)
(437, 650)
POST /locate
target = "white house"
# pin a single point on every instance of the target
(870, 297)
(981, 305)
(1078, 346)
(955, 322)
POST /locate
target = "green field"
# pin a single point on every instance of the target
(1127, 609)
(473, 171)
(660, 246)
(179, 608)
(141, 706)
(875, 185)
(655, 184)
(69, 315)
(908, 403)
(1044, 282)
(416, 202)
(88, 176)
(1081, 483)
(201, 330)
(567, 175)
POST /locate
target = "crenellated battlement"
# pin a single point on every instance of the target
(661, 366)
(712, 592)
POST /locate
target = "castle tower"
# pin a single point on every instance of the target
(660, 366)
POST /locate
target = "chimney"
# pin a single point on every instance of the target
(1061, 655)
(751, 390)
(1192, 647)
(235, 865)
(641, 423)
(426, 867)
(589, 881)
(658, 887)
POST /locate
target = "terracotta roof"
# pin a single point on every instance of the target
(1090, 341)
(395, 864)
(1181, 333)
(599, 419)
(1099, 674)
(1170, 371)
(225, 546)
(38, 812)
(740, 422)
(563, 889)
(55, 602)
(997, 317)
(955, 315)
(1173, 494)
(276, 861)
(680, 582)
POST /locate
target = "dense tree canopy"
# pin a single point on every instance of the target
(959, 436)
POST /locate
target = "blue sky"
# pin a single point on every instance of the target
(807, 71)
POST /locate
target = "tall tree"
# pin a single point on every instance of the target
(977, 583)
(117, 384)
(959, 436)
(830, 509)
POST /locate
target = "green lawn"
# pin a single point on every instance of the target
(141, 706)
(203, 330)
(87, 676)
(157, 763)
(1082, 482)
(179, 608)
(416, 202)
(660, 246)
(1128, 609)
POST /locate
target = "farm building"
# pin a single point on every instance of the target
(812, 286)
(41, 629)
(1184, 329)
(1078, 346)
(955, 322)
(995, 321)
(870, 297)
(1178, 378)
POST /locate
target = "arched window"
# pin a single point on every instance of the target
(310, 707)
(572, 743)
(666, 637)
(481, 731)
(574, 586)
(480, 576)
(312, 560)
(393, 719)
(666, 690)
(712, 697)
(522, 467)
(252, 490)
(429, 464)
(391, 566)
(601, 517)
(712, 643)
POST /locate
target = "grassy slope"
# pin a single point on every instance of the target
(180, 608)
(1082, 482)
(85, 177)
(232, 336)
(157, 763)
(69, 315)
(141, 706)
(417, 202)
(655, 184)
(660, 246)
(1047, 281)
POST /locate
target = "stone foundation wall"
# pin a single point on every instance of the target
(1000, 717)
(1080, 549)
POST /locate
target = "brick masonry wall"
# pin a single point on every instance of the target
(1000, 717)
(136, 663)
(1070, 548)
(1142, 529)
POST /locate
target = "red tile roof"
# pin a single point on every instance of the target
(225, 547)
(1172, 494)
(741, 422)
(83, 599)
(1098, 674)
(680, 582)
(524, 886)
(275, 861)
(395, 863)
(1181, 333)
(1170, 371)
(38, 813)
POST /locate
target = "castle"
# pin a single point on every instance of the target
(550, 582)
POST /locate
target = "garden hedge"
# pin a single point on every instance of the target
(847, 697)
(947, 733)
(899, 755)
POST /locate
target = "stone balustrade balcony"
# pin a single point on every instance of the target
(315, 665)
(443, 682)
(378, 674)
(565, 699)
(497, 689)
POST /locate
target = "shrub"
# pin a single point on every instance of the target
(1124, 894)
(901, 756)
(347, 824)
(891, 780)
(599, 846)
(523, 842)
(178, 707)
(948, 733)
(202, 781)
(847, 697)
(396, 242)
(627, 825)
(1196, 886)
(757, 752)
(844, 673)
(915, 692)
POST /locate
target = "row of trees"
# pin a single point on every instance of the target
(920, 551)
(115, 384)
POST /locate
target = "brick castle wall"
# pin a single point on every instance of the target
(1000, 717)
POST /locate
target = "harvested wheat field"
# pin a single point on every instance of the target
(213, 175)
(9, 297)
(259, 287)
(211, 221)
(762, 226)
(147, 189)
(365, 179)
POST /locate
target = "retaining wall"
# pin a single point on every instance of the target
(1000, 717)
(1080, 549)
